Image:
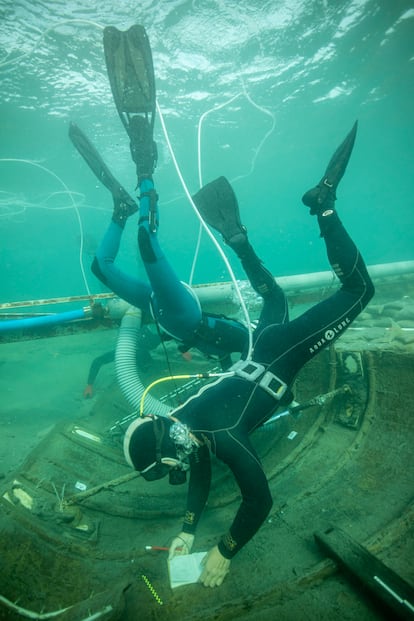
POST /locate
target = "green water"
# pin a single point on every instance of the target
(304, 69)
(309, 70)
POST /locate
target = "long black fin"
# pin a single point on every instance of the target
(218, 206)
(339, 161)
(130, 70)
(98, 166)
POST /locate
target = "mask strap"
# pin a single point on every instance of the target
(159, 431)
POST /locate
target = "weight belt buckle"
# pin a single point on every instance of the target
(248, 369)
(273, 385)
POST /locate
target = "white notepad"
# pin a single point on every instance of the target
(185, 569)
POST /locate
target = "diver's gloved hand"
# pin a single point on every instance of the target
(216, 568)
(182, 544)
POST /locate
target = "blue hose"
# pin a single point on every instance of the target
(44, 320)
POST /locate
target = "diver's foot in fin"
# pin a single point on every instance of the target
(143, 148)
(323, 196)
(124, 207)
(218, 206)
(259, 276)
(239, 243)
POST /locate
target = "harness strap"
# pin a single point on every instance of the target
(256, 373)
(152, 195)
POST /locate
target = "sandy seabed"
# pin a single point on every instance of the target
(42, 383)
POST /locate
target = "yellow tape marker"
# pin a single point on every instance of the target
(152, 590)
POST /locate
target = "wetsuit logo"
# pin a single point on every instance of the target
(189, 518)
(229, 542)
(329, 335)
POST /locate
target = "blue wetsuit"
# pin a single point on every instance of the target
(173, 304)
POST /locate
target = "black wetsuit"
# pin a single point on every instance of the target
(224, 413)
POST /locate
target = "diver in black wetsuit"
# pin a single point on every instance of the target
(223, 414)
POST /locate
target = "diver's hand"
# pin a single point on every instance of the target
(216, 568)
(182, 544)
(88, 391)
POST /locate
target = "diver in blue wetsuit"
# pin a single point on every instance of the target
(221, 416)
(172, 303)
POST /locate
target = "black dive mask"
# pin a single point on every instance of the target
(158, 470)
(177, 476)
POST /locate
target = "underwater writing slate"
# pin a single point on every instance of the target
(185, 569)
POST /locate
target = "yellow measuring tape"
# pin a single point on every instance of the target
(152, 590)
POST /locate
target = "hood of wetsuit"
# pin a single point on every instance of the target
(149, 448)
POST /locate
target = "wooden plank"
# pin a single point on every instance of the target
(381, 581)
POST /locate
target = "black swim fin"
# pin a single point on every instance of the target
(323, 196)
(130, 70)
(217, 204)
(122, 200)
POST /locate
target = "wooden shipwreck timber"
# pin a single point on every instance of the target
(84, 537)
